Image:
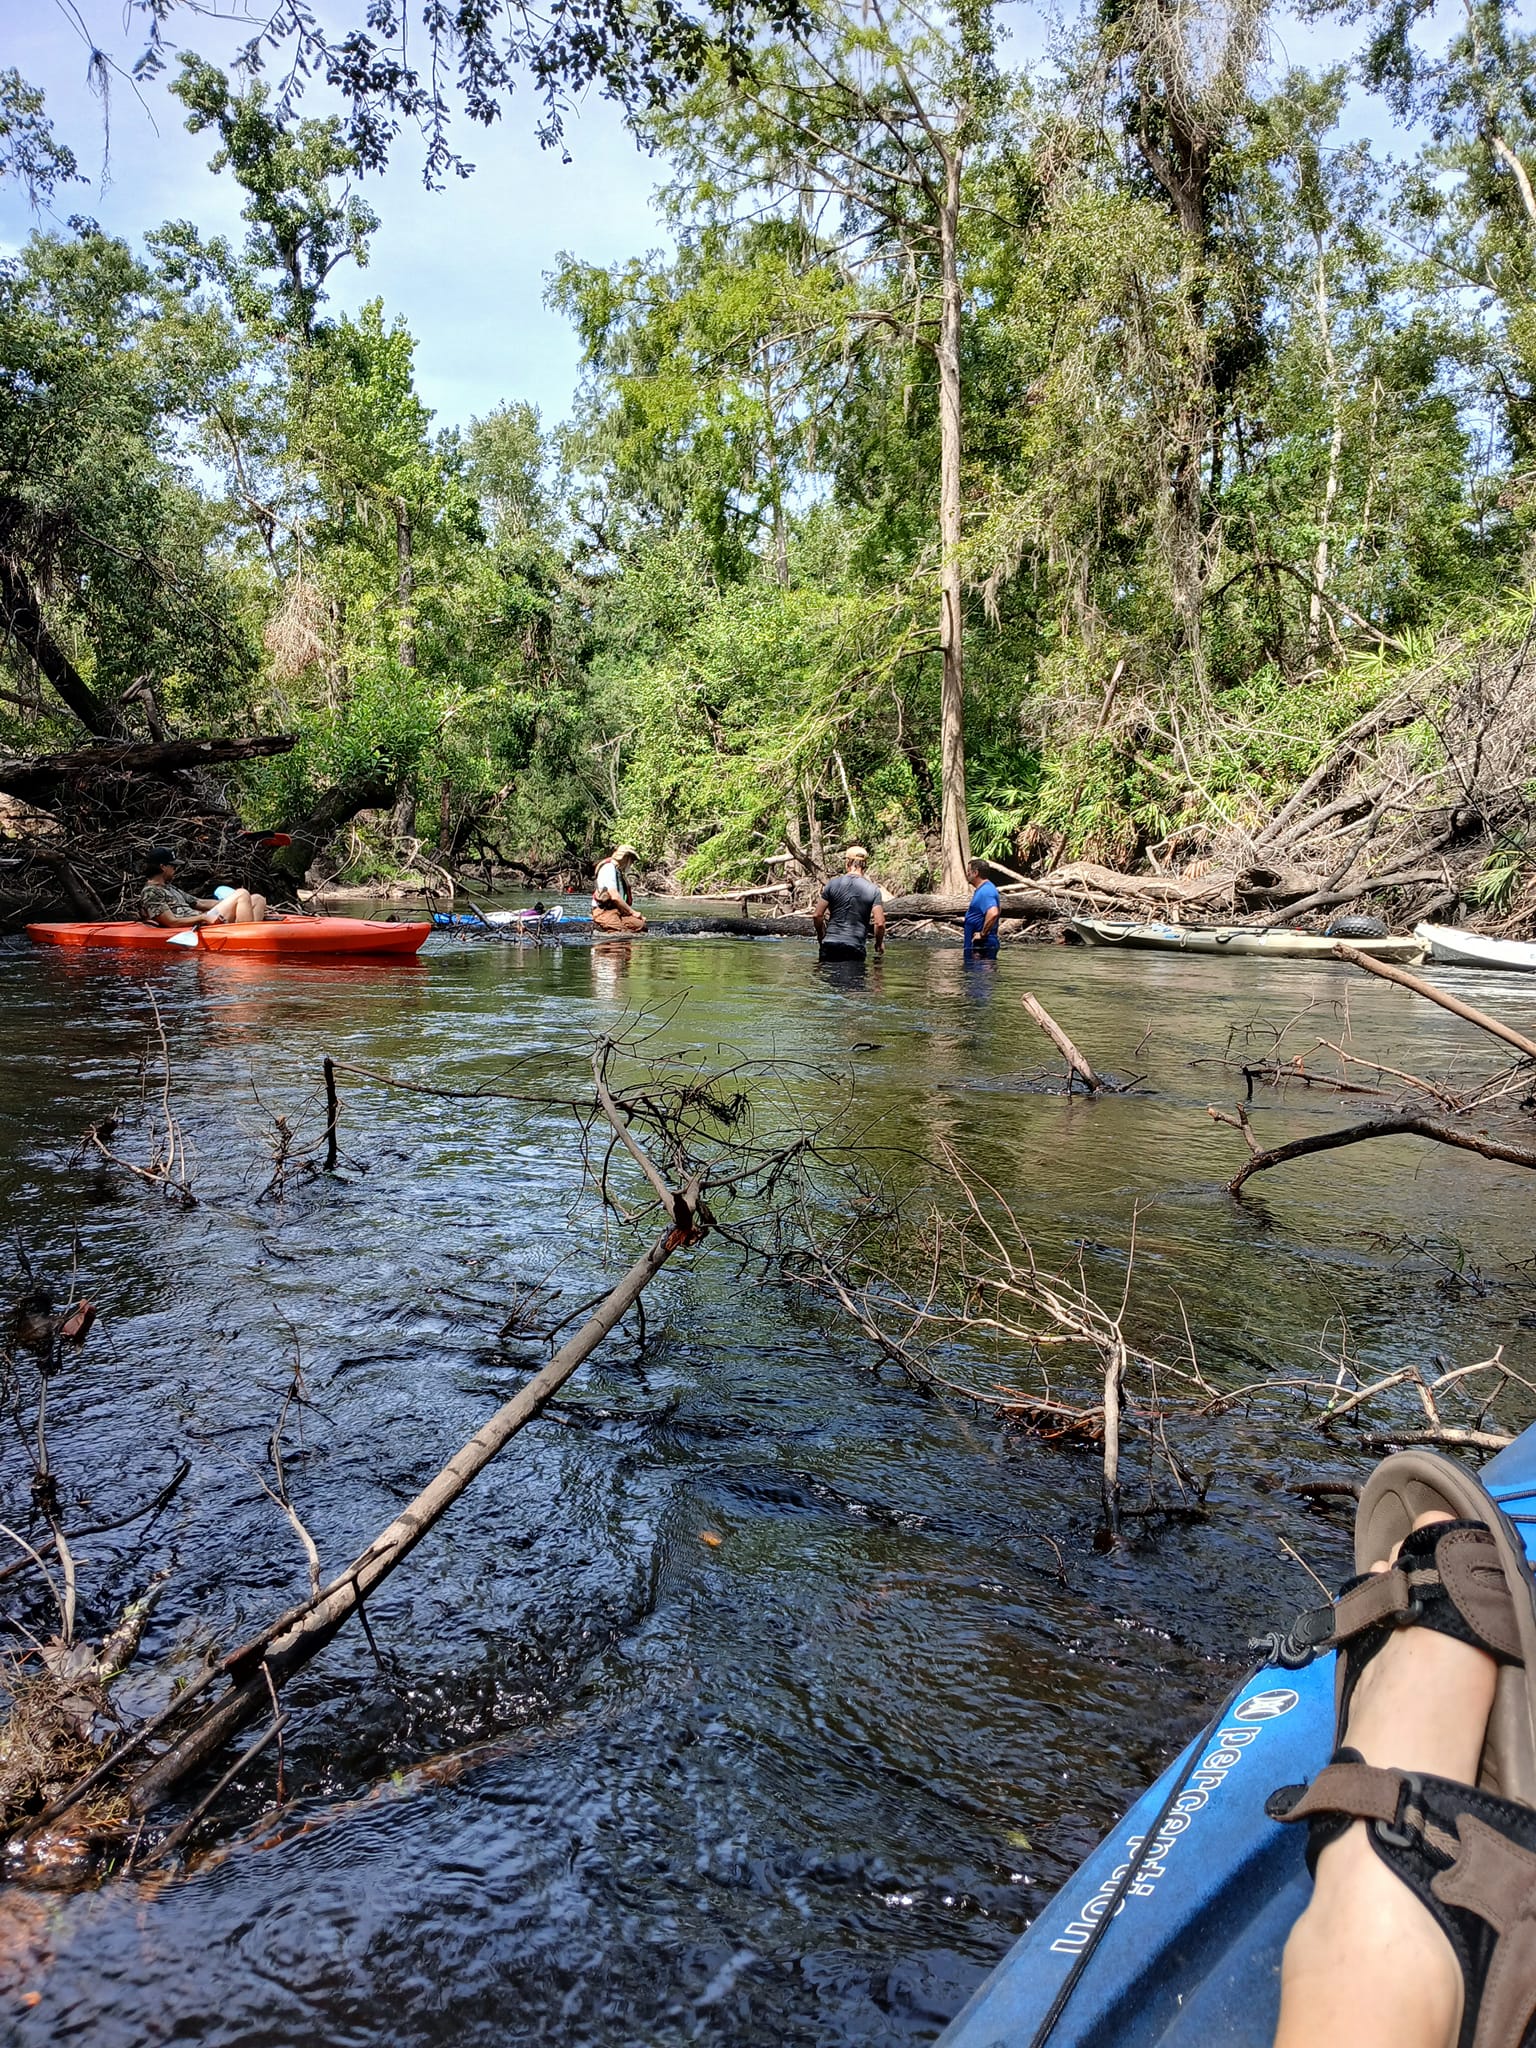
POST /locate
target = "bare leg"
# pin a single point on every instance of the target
(1365, 1965)
(258, 909)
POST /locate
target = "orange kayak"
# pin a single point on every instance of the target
(287, 935)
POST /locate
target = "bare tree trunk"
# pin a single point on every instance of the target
(22, 621)
(1316, 618)
(775, 480)
(405, 583)
(954, 830)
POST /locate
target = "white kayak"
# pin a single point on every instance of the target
(1236, 938)
(1471, 949)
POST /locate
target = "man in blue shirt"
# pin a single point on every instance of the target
(983, 916)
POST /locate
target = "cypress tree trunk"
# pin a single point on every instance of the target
(955, 845)
(405, 583)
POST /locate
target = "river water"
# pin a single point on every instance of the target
(750, 1697)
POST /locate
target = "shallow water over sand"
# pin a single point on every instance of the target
(617, 1784)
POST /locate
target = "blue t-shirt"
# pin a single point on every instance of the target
(985, 899)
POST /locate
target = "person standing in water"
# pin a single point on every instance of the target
(849, 910)
(612, 898)
(983, 916)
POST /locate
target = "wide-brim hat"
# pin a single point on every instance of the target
(626, 851)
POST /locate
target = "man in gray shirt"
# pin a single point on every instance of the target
(850, 908)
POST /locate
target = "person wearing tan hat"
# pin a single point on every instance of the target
(612, 898)
(851, 907)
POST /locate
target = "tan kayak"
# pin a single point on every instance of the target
(1236, 938)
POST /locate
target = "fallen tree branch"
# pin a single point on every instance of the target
(1076, 1065)
(320, 1619)
(1358, 1134)
(39, 775)
(1427, 989)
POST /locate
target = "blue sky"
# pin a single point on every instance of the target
(465, 265)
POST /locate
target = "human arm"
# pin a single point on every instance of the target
(989, 923)
(168, 907)
(821, 910)
(877, 926)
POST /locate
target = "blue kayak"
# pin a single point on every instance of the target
(1192, 1957)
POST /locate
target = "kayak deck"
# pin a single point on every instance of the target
(281, 936)
(1243, 940)
(1192, 1958)
(1454, 948)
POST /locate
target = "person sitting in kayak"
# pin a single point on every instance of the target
(161, 902)
(851, 907)
(983, 916)
(613, 901)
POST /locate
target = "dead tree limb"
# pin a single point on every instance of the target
(320, 1619)
(37, 776)
(332, 1112)
(1076, 1064)
(669, 1201)
(1427, 989)
(1358, 1134)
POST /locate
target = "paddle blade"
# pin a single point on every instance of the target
(182, 938)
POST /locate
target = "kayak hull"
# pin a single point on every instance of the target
(1192, 1957)
(1236, 938)
(283, 936)
(1471, 949)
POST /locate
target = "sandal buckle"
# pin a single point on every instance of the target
(1404, 1834)
(1307, 1637)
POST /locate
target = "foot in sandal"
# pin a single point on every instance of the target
(1421, 1931)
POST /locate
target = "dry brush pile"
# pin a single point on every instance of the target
(1420, 806)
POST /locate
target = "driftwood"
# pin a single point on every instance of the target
(1101, 881)
(259, 1666)
(1410, 1126)
(1077, 1066)
(1427, 989)
(1012, 903)
(35, 778)
(321, 1618)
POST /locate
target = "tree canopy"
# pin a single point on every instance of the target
(1051, 463)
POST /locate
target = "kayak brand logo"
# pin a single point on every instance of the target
(1266, 1706)
(1200, 1785)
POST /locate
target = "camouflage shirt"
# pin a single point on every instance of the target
(156, 897)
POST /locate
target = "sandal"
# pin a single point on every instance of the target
(1468, 1853)
(1466, 1578)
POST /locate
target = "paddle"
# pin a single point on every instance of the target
(186, 938)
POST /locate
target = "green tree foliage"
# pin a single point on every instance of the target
(118, 610)
(1059, 461)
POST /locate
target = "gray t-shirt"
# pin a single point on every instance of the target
(852, 899)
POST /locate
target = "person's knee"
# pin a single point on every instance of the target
(258, 907)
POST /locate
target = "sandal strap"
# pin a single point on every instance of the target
(1467, 1855)
(1447, 1577)
(1350, 1789)
(1495, 1878)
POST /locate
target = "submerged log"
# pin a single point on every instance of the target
(1077, 1066)
(1025, 903)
